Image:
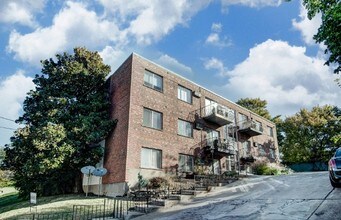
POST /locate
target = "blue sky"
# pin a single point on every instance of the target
(236, 48)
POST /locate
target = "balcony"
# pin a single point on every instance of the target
(247, 159)
(220, 147)
(251, 128)
(218, 114)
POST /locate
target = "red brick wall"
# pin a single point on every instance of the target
(172, 108)
(130, 96)
(116, 144)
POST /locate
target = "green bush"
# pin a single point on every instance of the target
(157, 182)
(6, 178)
(263, 169)
(230, 174)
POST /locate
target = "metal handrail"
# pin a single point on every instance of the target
(220, 110)
(221, 143)
(251, 124)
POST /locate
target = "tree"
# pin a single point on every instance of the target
(329, 32)
(256, 105)
(65, 118)
(260, 107)
(2, 155)
(310, 135)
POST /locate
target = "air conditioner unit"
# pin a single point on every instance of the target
(196, 94)
(199, 126)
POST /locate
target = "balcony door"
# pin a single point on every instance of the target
(210, 106)
(212, 134)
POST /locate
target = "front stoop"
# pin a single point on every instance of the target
(184, 196)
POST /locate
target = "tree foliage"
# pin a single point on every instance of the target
(65, 118)
(311, 136)
(329, 32)
(2, 155)
(256, 105)
(259, 107)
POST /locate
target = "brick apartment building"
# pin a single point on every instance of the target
(168, 125)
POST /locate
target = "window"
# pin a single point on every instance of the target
(151, 158)
(242, 118)
(261, 150)
(186, 163)
(185, 128)
(272, 154)
(152, 119)
(259, 126)
(270, 131)
(184, 94)
(153, 81)
(246, 151)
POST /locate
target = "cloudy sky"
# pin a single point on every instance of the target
(236, 48)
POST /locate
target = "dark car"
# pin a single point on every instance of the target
(334, 167)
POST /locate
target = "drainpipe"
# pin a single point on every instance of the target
(238, 155)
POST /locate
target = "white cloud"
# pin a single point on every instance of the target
(215, 39)
(215, 64)
(13, 91)
(251, 3)
(308, 28)
(161, 17)
(284, 76)
(121, 24)
(216, 27)
(73, 26)
(20, 11)
(113, 57)
(174, 65)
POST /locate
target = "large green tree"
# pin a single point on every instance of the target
(256, 105)
(311, 136)
(65, 117)
(329, 32)
(2, 155)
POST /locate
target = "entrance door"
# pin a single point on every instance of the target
(216, 167)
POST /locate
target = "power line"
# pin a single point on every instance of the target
(8, 128)
(8, 119)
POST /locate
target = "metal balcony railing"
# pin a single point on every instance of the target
(220, 145)
(251, 127)
(218, 114)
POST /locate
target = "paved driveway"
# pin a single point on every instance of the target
(295, 196)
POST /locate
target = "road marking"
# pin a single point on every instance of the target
(324, 199)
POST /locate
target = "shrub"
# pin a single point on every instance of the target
(6, 178)
(230, 174)
(157, 182)
(262, 168)
(142, 182)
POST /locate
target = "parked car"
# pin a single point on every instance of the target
(334, 167)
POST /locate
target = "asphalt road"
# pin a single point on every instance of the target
(296, 196)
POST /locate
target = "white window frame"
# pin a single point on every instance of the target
(185, 94)
(246, 146)
(153, 123)
(185, 128)
(150, 80)
(270, 131)
(186, 163)
(151, 158)
(259, 125)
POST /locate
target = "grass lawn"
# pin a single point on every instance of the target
(11, 205)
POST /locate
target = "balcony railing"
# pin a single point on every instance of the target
(221, 147)
(218, 114)
(251, 128)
